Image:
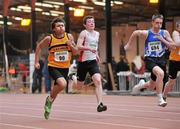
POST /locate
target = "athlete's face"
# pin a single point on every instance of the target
(157, 23)
(59, 27)
(90, 24)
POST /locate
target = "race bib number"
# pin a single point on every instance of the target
(155, 46)
(61, 56)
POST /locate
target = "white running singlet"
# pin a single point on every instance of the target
(91, 40)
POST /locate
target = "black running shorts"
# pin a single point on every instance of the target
(85, 67)
(174, 67)
(151, 62)
(56, 73)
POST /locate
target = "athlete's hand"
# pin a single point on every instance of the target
(171, 46)
(93, 50)
(69, 43)
(127, 47)
(37, 65)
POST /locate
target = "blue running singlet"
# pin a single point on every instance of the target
(153, 46)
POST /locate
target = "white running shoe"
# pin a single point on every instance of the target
(162, 103)
(136, 89)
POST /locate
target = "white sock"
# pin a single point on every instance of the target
(141, 83)
(160, 98)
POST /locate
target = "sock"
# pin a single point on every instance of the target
(160, 97)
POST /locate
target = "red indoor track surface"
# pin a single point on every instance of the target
(25, 111)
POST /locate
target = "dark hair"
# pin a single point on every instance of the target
(55, 20)
(87, 17)
(155, 16)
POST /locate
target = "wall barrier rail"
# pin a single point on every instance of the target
(127, 80)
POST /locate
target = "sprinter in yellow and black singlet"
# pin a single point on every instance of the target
(174, 61)
(59, 52)
(61, 47)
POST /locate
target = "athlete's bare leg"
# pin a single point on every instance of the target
(159, 78)
(97, 82)
(168, 87)
(158, 84)
(150, 85)
(61, 84)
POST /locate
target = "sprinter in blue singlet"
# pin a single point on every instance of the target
(156, 42)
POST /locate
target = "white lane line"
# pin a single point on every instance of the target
(91, 104)
(92, 107)
(20, 126)
(134, 104)
(82, 121)
(104, 114)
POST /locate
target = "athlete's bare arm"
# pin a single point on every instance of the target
(43, 43)
(72, 44)
(97, 53)
(140, 33)
(167, 40)
(80, 42)
(176, 38)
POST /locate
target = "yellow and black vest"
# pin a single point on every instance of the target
(59, 52)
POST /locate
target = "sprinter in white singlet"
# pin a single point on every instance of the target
(88, 59)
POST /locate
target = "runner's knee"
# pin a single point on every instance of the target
(97, 80)
(62, 83)
(160, 74)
